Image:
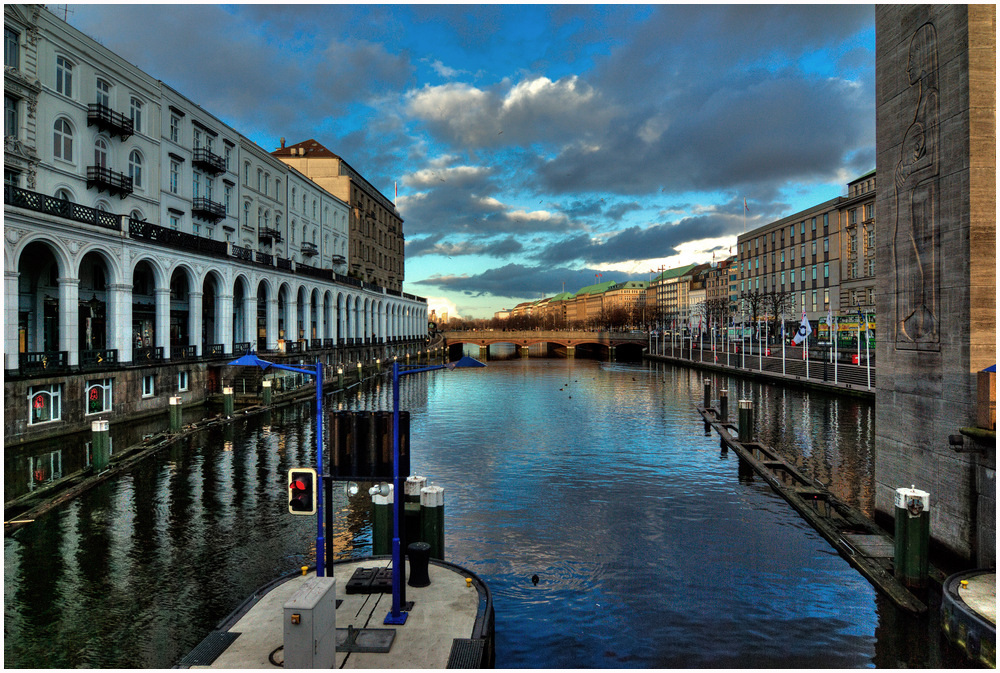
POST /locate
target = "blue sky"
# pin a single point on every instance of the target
(534, 146)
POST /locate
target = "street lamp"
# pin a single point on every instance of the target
(396, 616)
(250, 359)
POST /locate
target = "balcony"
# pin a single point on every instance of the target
(209, 160)
(309, 249)
(207, 209)
(108, 120)
(105, 178)
(338, 259)
(23, 198)
(269, 234)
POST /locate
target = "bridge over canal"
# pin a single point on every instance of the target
(565, 343)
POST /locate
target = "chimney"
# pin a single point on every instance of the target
(282, 143)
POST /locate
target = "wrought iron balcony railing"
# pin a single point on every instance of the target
(267, 233)
(207, 209)
(309, 249)
(99, 358)
(105, 178)
(29, 200)
(208, 160)
(108, 120)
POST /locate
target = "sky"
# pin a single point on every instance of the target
(531, 147)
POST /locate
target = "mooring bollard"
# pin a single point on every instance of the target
(411, 509)
(382, 523)
(432, 519)
(175, 414)
(100, 445)
(708, 393)
(265, 392)
(340, 377)
(913, 526)
(746, 421)
(227, 402)
(361, 372)
(378, 365)
(723, 405)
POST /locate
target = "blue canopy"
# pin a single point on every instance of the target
(465, 361)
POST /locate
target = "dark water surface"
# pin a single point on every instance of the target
(597, 477)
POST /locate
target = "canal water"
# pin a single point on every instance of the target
(649, 549)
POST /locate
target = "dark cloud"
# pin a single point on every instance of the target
(659, 240)
(519, 281)
(433, 245)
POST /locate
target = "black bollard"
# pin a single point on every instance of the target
(723, 405)
(420, 556)
(708, 393)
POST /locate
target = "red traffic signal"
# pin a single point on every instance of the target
(302, 490)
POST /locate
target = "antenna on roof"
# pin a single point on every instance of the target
(65, 10)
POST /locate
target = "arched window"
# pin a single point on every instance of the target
(62, 140)
(137, 215)
(267, 219)
(267, 179)
(260, 177)
(64, 194)
(135, 111)
(64, 76)
(101, 153)
(246, 174)
(260, 218)
(135, 168)
(103, 93)
(246, 213)
(102, 206)
(293, 197)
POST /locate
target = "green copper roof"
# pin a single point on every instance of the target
(674, 273)
(562, 296)
(595, 289)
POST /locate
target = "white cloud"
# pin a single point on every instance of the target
(443, 305)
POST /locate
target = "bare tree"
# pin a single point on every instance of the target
(775, 304)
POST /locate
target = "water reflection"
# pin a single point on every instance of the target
(649, 548)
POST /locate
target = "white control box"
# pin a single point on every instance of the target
(310, 625)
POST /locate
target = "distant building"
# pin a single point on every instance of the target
(376, 227)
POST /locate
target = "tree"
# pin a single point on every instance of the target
(777, 303)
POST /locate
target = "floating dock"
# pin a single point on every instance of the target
(450, 624)
(857, 538)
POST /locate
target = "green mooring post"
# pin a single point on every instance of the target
(176, 409)
(723, 405)
(100, 445)
(913, 528)
(411, 509)
(432, 519)
(265, 392)
(227, 402)
(708, 393)
(746, 421)
(382, 524)
(340, 378)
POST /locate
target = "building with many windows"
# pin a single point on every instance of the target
(146, 242)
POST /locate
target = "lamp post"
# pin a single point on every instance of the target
(396, 616)
(251, 360)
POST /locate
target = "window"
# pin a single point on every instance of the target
(826, 245)
(135, 168)
(182, 381)
(246, 214)
(195, 228)
(227, 199)
(803, 250)
(870, 238)
(175, 128)
(826, 299)
(314, 209)
(64, 76)
(869, 211)
(814, 224)
(135, 112)
(782, 256)
(826, 220)
(11, 177)
(871, 266)
(103, 93)
(64, 195)
(814, 272)
(826, 270)
(852, 270)
(148, 388)
(11, 48)
(277, 190)
(246, 174)
(175, 222)
(101, 153)
(45, 403)
(196, 185)
(802, 229)
(814, 248)
(260, 177)
(197, 138)
(871, 296)
(62, 140)
(175, 176)
(814, 300)
(10, 121)
(98, 395)
(267, 179)
(852, 216)
(228, 156)
(792, 276)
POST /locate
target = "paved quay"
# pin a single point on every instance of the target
(449, 609)
(969, 614)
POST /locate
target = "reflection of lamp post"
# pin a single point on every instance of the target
(251, 360)
(396, 616)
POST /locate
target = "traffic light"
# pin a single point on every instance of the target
(302, 490)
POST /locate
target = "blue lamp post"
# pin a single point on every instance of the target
(251, 360)
(396, 616)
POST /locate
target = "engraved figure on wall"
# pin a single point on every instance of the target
(915, 243)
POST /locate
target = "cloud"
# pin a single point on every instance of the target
(432, 245)
(513, 281)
